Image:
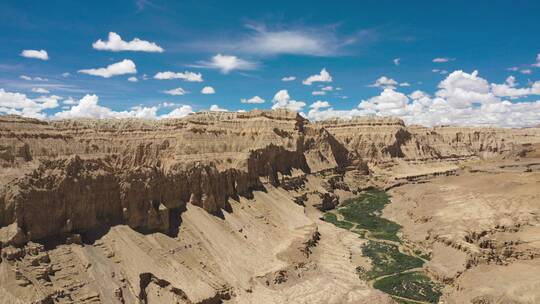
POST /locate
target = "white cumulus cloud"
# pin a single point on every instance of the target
(384, 82)
(208, 90)
(319, 104)
(123, 67)
(186, 76)
(20, 104)
(116, 44)
(461, 99)
(254, 99)
(389, 102)
(282, 100)
(88, 107)
(216, 108)
(179, 112)
(461, 89)
(509, 89)
(133, 79)
(323, 76)
(41, 54)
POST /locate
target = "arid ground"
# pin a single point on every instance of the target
(267, 207)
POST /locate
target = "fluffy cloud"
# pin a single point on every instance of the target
(254, 99)
(175, 92)
(327, 88)
(116, 44)
(439, 111)
(442, 59)
(282, 100)
(322, 110)
(288, 78)
(226, 64)
(88, 107)
(396, 61)
(179, 112)
(461, 99)
(216, 108)
(123, 67)
(41, 54)
(462, 90)
(40, 90)
(508, 89)
(388, 103)
(20, 104)
(319, 104)
(186, 76)
(384, 82)
(133, 79)
(208, 90)
(323, 76)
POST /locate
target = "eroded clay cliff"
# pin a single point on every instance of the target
(208, 208)
(73, 176)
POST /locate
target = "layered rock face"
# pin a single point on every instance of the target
(210, 208)
(72, 176)
(380, 140)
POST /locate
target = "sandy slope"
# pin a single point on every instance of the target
(482, 229)
(254, 254)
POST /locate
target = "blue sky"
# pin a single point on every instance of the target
(243, 49)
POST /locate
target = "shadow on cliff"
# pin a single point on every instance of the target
(89, 237)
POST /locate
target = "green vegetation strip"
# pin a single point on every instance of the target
(386, 259)
(392, 270)
(365, 211)
(412, 285)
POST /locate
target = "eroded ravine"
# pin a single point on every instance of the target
(396, 266)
